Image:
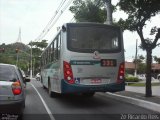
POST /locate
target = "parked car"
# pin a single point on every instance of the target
(141, 76)
(23, 74)
(12, 90)
(38, 76)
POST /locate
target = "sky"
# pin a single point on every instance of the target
(32, 16)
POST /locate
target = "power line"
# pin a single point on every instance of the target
(62, 11)
(46, 27)
(55, 18)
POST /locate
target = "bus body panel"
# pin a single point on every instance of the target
(91, 77)
(87, 67)
(89, 73)
(113, 87)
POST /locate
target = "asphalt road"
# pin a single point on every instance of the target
(39, 106)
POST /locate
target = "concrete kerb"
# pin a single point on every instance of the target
(135, 101)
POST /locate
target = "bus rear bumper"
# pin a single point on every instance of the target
(78, 88)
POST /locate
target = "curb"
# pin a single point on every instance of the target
(135, 101)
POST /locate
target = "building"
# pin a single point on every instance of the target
(130, 68)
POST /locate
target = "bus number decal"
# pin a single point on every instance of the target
(108, 62)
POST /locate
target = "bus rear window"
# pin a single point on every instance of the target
(89, 39)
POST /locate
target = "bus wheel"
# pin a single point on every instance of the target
(44, 87)
(41, 80)
(90, 94)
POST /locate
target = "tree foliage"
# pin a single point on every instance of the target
(139, 12)
(157, 59)
(10, 55)
(40, 45)
(37, 48)
(140, 63)
(24, 57)
(89, 11)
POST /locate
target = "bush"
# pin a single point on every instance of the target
(131, 79)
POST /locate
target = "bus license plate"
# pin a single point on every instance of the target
(108, 62)
(96, 81)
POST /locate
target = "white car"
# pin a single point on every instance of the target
(38, 76)
(12, 90)
(158, 76)
(141, 77)
(23, 74)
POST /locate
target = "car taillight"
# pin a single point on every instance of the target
(120, 78)
(16, 88)
(68, 74)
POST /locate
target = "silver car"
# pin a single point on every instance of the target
(12, 89)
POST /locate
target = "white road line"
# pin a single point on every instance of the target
(44, 103)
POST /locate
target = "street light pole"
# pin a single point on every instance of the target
(31, 62)
(109, 12)
(17, 60)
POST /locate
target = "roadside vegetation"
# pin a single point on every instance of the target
(135, 81)
(20, 54)
(142, 84)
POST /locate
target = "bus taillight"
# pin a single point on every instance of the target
(120, 77)
(68, 74)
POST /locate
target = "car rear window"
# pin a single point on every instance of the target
(7, 73)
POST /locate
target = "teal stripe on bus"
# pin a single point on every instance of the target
(84, 62)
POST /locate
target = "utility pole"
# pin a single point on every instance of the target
(135, 72)
(109, 12)
(17, 49)
(31, 62)
(17, 59)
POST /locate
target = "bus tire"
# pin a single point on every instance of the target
(41, 80)
(90, 94)
(20, 116)
(42, 84)
(44, 87)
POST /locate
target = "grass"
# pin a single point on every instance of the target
(143, 84)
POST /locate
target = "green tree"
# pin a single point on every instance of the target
(10, 55)
(40, 45)
(141, 66)
(89, 11)
(157, 59)
(139, 12)
(37, 48)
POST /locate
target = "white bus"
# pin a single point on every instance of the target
(84, 58)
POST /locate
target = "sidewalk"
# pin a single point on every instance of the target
(155, 90)
(136, 96)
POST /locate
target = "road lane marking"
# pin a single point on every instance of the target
(44, 103)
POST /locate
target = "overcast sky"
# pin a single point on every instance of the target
(33, 15)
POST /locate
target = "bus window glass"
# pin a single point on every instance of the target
(59, 45)
(52, 54)
(55, 49)
(97, 38)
